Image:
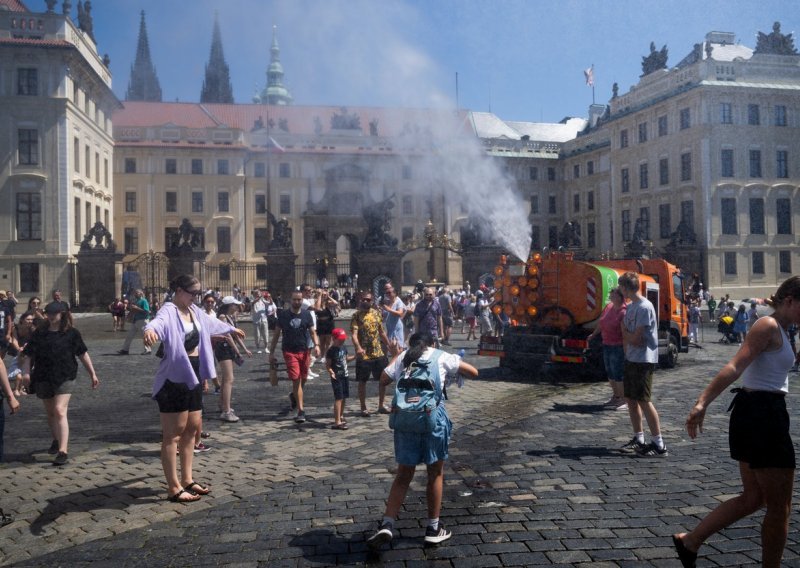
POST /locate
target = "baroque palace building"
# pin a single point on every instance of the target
(697, 162)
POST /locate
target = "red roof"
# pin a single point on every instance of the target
(136, 113)
(36, 42)
(14, 5)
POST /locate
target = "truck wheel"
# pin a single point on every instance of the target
(670, 359)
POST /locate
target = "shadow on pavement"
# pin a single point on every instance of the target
(114, 496)
(579, 408)
(574, 452)
(322, 546)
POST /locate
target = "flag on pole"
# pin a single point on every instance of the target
(274, 146)
(589, 75)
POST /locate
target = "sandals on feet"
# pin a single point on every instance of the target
(342, 426)
(686, 556)
(178, 497)
(5, 519)
(197, 489)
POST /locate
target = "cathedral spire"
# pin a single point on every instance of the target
(143, 85)
(217, 84)
(275, 93)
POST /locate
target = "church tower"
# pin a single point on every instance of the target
(217, 84)
(275, 93)
(143, 85)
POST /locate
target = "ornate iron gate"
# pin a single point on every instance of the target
(244, 275)
(149, 272)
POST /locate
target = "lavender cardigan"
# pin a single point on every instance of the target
(175, 365)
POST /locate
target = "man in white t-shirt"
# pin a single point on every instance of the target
(308, 304)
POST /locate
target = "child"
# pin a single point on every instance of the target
(336, 360)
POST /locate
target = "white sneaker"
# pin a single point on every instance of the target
(259, 352)
(228, 416)
(312, 375)
(435, 536)
(381, 537)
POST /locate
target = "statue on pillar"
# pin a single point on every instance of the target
(655, 61)
(102, 239)
(188, 238)
(570, 235)
(281, 233)
(378, 225)
(683, 235)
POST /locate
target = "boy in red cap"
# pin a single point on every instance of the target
(336, 362)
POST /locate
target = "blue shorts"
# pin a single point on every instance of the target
(414, 449)
(341, 388)
(614, 360)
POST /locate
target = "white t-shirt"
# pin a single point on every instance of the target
(448, 362)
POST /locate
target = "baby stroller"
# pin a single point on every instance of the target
(725, 327)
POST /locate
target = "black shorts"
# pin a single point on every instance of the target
(224, 352)
(371, 367)
(341, 388)
(759, 430)
(637, 382)
(178, 397)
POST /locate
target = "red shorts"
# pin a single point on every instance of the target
(297, 365)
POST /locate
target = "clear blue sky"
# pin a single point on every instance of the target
(521, 59)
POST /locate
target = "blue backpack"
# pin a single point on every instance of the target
(417, 397)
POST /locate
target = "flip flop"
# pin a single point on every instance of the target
(686, 556)
(197, 489)
(177, 497)
(342, 426)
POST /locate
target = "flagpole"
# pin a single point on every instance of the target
(592, 83)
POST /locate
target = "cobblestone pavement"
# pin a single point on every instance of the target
(534, 477)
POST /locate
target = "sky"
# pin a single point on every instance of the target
(520, 59)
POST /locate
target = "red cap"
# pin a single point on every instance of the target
(339, 333)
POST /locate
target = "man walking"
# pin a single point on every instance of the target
(428, 315)
(141, 315)
(640, 339)
(258, 313)
(446, 305)
(369, 338)
(297, 329)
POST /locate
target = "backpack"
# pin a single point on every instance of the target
(417, 397)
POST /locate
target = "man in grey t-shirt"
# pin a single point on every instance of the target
(640, 338)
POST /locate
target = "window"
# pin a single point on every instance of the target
(726, 163)
(28, 276)
(29, 217)
(642, 132)
(756, 216)
(685, 119)
(591, 239)
(576, 202)
(77, 219)
(533, 173)
(407, 234)
(171, 166)
(260, 239)
(408, 205)
(405, 172)
(130, 202)
(172, 238)
(284, 170)
(551, 204)
(551, 174)
(223, 239)
(753, 116)
(780, 115)
(725, 113)
(623, 138)
(644, 217)
(223, 202)
(590, 201)
(535, 204)
(782, 164)
(662, 125)
(130, 166)
(28, 146)
(664, 220)
(626, 181)
(261, 203)
(97, 167)
(552, 236)
(88, 171)
(758, 262)
(260, 170)
(728, 215)
(105, 172)
(27, 81)
(223, 167)
(197, 166)
(197, 202)
(686, 166)
(261, 271)
(225, 272)
(131, 237)
(783, 215)
(663, 171)
(590, 168)
(87, 217)
(576, 171)
(687, 213)
(285, 204)
(755, 163)
(171, 202)
(643, 178)
(785, 261)
(730, 263)
(536, 237)
(626, 225)
(76, 154)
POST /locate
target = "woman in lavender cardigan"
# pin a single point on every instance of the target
(185, 332)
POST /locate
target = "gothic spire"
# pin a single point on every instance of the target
(143, 85)
(275, 93)
(217, 84)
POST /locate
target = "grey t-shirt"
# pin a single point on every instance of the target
(642, 314)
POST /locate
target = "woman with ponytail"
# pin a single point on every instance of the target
(411, 449)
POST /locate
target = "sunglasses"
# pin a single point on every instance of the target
(194, 293)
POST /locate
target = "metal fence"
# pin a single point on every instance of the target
(150, 272)
(246, 276)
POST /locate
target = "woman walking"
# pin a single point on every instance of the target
(325, 309)
(758, 433)
(51, 366)
(411, 449)
(185, 330)
(610, 330)
(740, 320)
(227, 350)
(20, 336)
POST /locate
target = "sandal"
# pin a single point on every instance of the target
(197, 489)
(178, 499)
(5, 519)
(342, 426)
(687, 557)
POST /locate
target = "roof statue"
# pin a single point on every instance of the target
(775, 43)
(373, 127)
(217, 83)
(709, 50)
(655, 61)
(345, 121)
(275, 93)
(66, 7)
(85, 18)
(317, 125)
(51, 6)
(379, 224)
(143, 84)
(614, 90)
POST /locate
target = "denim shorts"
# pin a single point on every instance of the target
(413, 449)
(614, 360)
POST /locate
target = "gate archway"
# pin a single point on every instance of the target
(148, 271)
